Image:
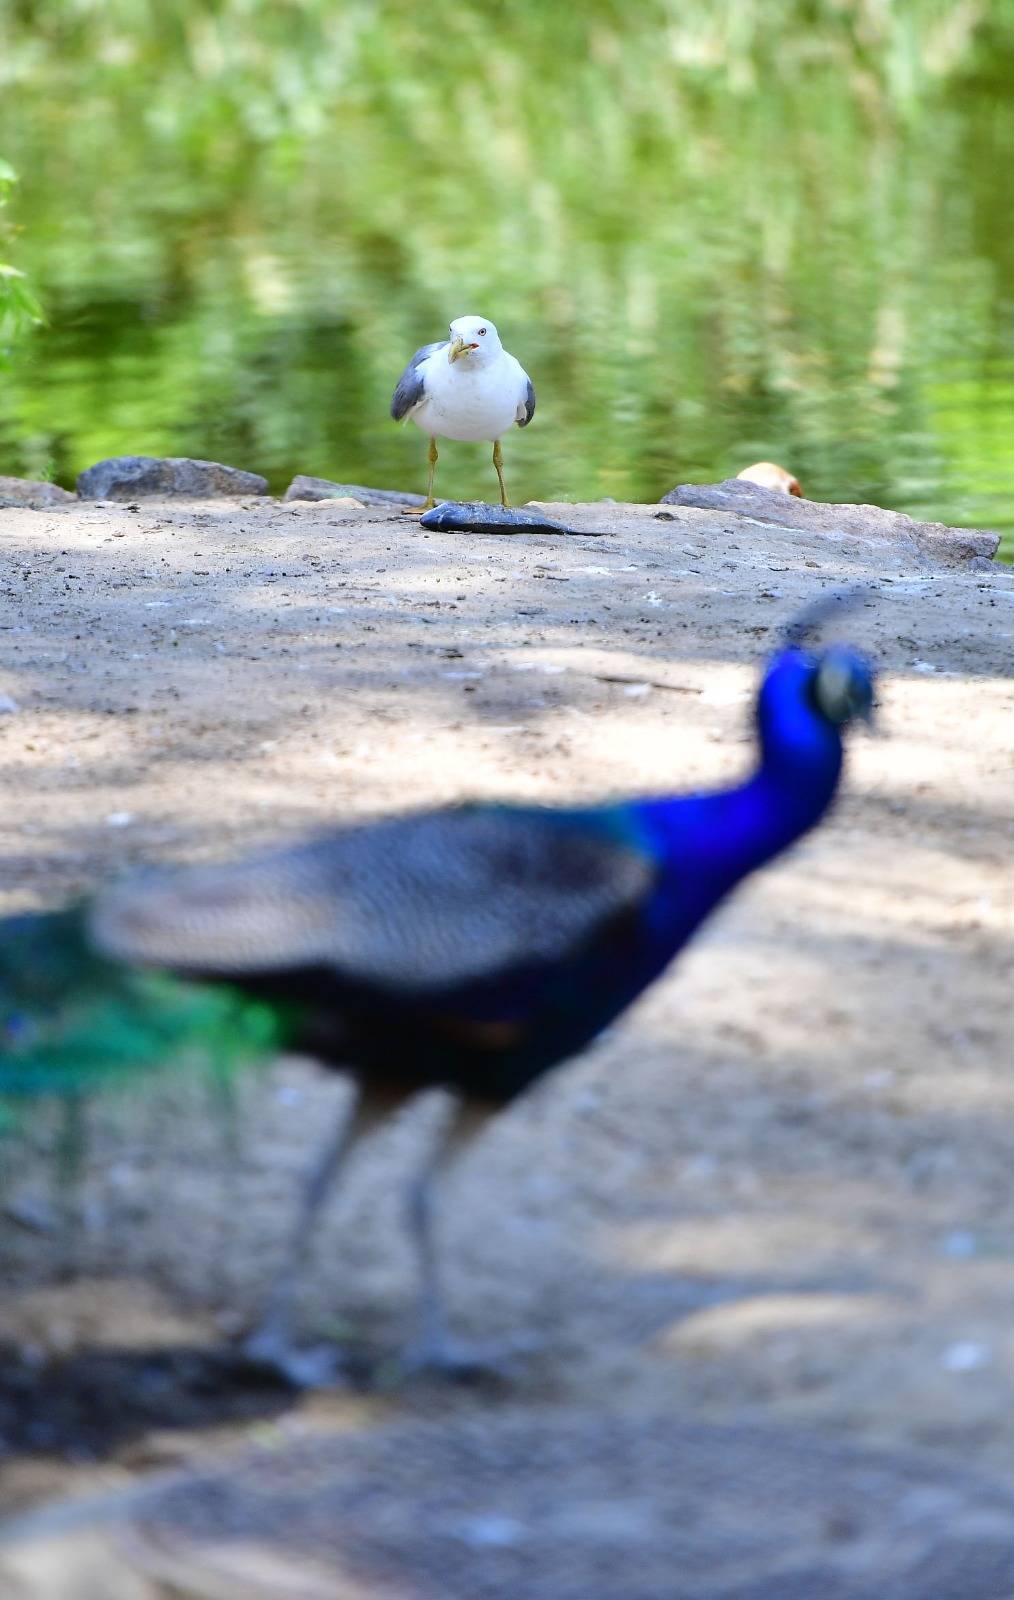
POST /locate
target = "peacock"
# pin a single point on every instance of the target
(471, 947)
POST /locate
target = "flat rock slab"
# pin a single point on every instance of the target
(475, 516)
(165, 477)
(568, 1505)
(554, 1504)
(305, 488)
(29, 492)
(949, 546)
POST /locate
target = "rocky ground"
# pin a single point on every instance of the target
(762, 1233)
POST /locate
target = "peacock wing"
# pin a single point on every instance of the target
(417, 903)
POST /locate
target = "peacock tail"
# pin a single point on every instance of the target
(72, 1021)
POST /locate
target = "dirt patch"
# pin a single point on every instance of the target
(778, 1194)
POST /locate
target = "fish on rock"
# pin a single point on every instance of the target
(474, 516)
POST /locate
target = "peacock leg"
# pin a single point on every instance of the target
(432, 1334)
(433, 1348)
(433, 456)
(498, 464)
(271, 1343)
(71, 1144)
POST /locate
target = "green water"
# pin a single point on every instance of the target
(711, 232)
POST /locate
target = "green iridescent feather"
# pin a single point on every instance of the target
(71, 1022)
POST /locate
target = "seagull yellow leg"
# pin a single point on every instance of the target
(498, 464)
(432, 458)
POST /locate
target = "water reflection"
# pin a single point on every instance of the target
(710, 233)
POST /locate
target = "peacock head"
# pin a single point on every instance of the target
(842, 687)
(841, 681)
(811, 693)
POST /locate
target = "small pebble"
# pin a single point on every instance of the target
(489, 1532)
(700, 1168)
(719, 696)
(959, 1245)
(964, 1356)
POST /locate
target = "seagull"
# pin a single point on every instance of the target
(465, 387)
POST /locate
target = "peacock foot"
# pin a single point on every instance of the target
(460, 1361)
(319, 1366)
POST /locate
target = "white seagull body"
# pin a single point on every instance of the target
(467, 387)
(466, 401)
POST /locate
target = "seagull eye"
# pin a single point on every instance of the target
(481, 332)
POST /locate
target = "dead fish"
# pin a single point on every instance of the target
(473, 516)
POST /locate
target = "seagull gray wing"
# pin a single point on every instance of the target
(411, 387)
(526, 408)
(414, 904)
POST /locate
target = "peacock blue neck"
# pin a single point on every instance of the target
(715, 839)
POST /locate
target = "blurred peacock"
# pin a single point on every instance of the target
(472, 947)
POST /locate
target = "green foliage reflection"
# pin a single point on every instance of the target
(19, 309)
(712, 232)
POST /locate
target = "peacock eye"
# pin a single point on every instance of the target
(481, 332)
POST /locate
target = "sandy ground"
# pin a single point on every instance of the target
(764, 1226)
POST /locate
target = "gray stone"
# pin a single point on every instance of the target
(948, 545)
(304, 488)
(165, 477)
(26, 492)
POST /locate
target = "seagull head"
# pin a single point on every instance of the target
(473, 340)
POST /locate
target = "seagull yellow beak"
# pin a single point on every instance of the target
(459, 348)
